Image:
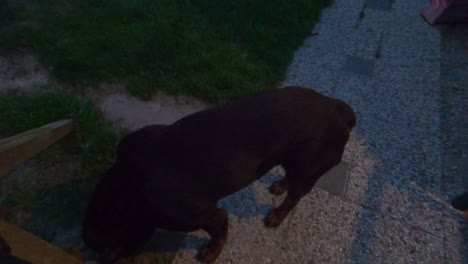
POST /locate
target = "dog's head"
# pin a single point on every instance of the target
(121, 237)
(117, 221)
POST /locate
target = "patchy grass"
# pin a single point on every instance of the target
(98, 138)
(214, 50)
(94, 153)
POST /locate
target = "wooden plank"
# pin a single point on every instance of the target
(31, 248)
(19, 148)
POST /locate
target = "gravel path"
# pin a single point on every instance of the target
(385, 61)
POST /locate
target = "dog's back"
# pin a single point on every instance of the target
(223, 146)
(161, 171)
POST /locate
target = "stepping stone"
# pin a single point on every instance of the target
(384, 5)
(358, 65)
(336, 180)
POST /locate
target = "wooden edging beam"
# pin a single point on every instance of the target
(19, 148)
(33, 249)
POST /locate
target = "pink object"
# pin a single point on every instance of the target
(446, 11)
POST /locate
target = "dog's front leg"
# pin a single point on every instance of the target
(217, 227)
(279, 187)
(300, 182)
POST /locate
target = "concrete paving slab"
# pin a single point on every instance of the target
(456, 76)
(454, 47)
(358, 65)
(336, 180)
(384, 5)
(361, 43)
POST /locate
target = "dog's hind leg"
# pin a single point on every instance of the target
(190, 214)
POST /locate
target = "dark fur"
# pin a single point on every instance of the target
(5, 249)
(172, 177)
(461, 202)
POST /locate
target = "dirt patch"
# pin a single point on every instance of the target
(22, 72)
(132, 113)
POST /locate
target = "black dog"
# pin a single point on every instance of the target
(172, 177)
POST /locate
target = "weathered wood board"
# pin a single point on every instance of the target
(31, 248)
(19, 148)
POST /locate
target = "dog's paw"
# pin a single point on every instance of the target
(272, 220)
(277, 188)
(207, 254)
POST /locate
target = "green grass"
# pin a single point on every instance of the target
(214, 50)
(94, 154)
(97, 137)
